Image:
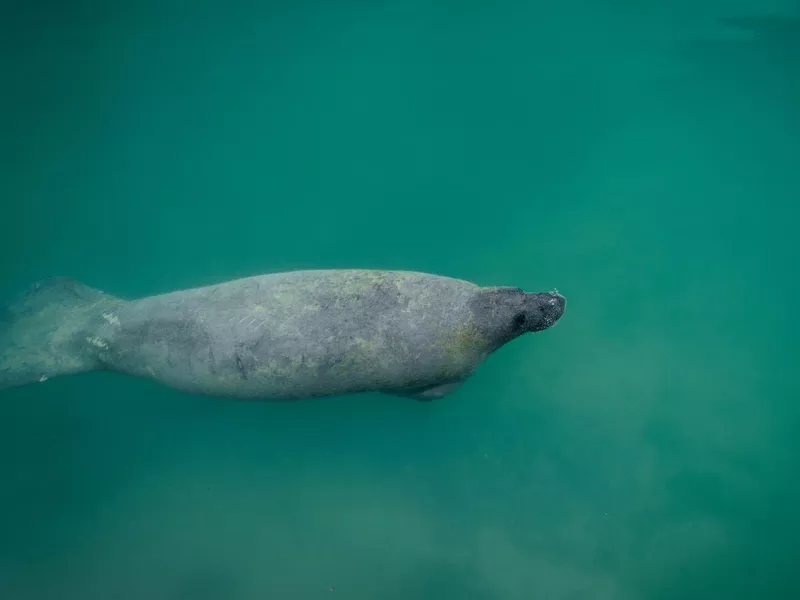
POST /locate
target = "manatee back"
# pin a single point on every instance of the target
(312, 333)
(334, 332)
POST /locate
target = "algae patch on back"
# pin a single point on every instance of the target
(461, 349)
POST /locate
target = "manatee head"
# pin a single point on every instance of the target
(505, 313)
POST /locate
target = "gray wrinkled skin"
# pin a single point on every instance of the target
(307, 334)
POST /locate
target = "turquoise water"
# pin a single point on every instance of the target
(644, 161)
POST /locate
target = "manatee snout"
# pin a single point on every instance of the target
(544, 310)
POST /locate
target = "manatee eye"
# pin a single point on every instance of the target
(519, 320)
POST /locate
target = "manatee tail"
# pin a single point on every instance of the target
(48, 331)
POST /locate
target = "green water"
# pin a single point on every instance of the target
(643, 160)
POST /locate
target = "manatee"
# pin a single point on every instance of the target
(279, 336)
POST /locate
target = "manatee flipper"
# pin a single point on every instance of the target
(48, 331)
(426, 394)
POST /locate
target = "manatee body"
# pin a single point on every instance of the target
(280, 336)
